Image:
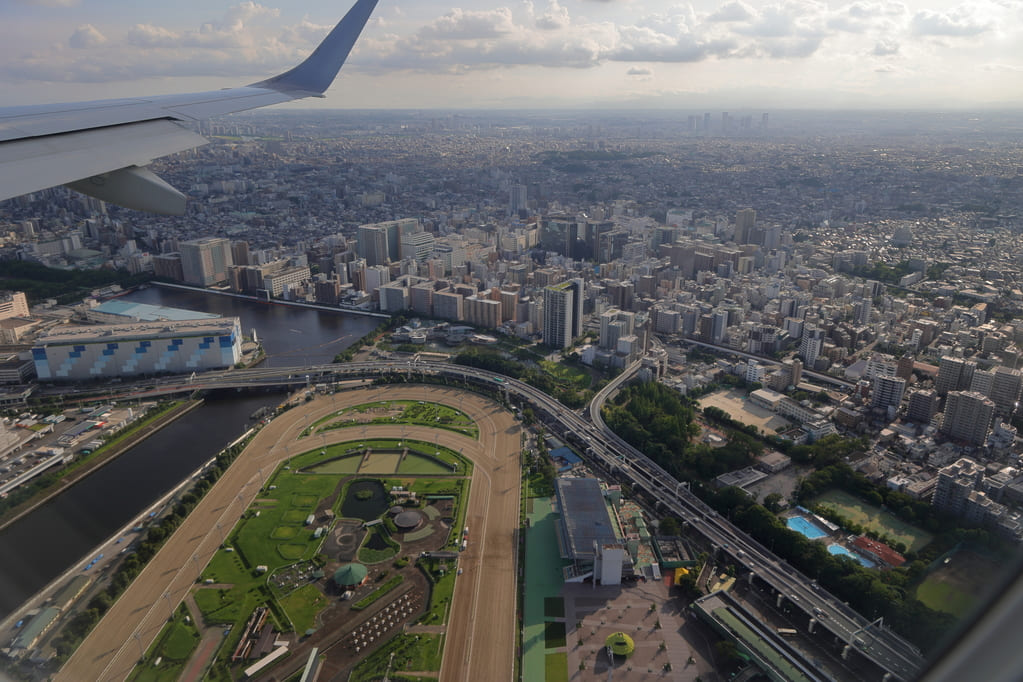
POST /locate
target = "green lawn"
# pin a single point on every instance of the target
(343, 465)
(344, 458)
(440, 598)
(942, 596)
(302, 605)
(412, 653)
(957, 586)
(872, 518)
(556, 667)
(284, 532)
(416, 464)
(554, 607)
(554, 635)
(174, 645)
(411, 412)
(226, 567)
(566, 374)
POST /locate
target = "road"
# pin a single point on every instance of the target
(482, 622)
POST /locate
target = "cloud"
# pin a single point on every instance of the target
(554, 18)
(959, 22)
(636, 71)
(732, 11)
(86, 36)
(459, 24)
(885, 47)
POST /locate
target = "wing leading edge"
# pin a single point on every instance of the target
(100, 148)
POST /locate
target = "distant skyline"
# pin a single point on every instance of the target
(701, 55)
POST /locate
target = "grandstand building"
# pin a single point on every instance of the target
(590, 533)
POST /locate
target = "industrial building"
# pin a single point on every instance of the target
(77, 353)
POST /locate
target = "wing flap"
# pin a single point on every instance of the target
(29, 164)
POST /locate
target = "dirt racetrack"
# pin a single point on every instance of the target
(481, 632)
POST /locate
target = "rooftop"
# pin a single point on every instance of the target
(151, 313)
(584, 516)
(138, 330)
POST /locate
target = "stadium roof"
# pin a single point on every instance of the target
(584, 516)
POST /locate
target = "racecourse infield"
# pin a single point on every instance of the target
(481, 630)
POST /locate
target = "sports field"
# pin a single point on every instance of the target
(957, 586)
(872, 518)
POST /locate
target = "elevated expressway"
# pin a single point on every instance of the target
(898, 658)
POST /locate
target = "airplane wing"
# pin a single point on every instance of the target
(101, 148)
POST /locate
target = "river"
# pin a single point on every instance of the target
(42, 545)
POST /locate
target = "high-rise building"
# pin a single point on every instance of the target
(205, 261)
(745, 220)
(562, 313)
(516, 199)
(887, 391)
(968, 416)
(482, 312)
(954, 374)
(380, 243)
(1005, 390)
(923, 405)
(810, 345)
(372, 244)
(417, 246)
(615, 324)
(240, 253)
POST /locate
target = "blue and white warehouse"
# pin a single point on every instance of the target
(94, 352)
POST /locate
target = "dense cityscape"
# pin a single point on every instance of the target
(827, 301)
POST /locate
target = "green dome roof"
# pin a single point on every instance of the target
(621, 644)
(350, 574)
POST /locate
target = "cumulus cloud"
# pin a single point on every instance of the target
(86, 36)
(959, 22)
(554, 18)
(885, 47)
(732, 11)
(534, 34)
(232, 45)
(459, 24)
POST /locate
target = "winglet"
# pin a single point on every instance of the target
(317, 72)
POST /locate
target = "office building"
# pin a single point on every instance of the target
(614, 325)
(745, 220)
(516, 199)
(372, 244)
(205, 261)
(13, 304)
(417, 245)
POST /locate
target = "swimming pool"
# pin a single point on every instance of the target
(805, 527)
(840, 550)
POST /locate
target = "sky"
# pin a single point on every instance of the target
(701, 55)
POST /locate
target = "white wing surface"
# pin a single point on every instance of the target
(101, 148)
